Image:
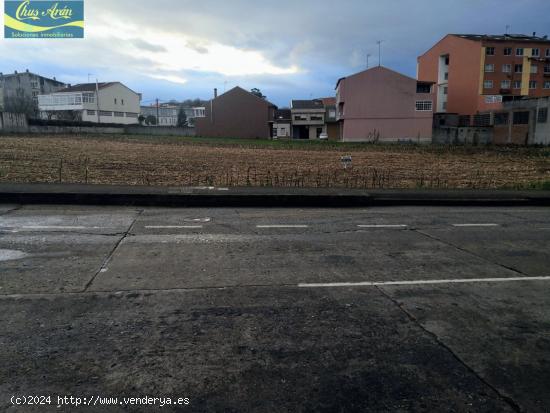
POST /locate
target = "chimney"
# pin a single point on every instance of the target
(534, 34)
(27, 70)
(215, 93)
(54, 78)
(15, 71)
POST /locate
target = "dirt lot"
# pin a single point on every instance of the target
(177, 161)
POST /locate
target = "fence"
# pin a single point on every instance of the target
(12, 122)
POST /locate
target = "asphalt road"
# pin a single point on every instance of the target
(276, 310)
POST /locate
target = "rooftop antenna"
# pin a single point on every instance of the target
(508, 27)
(89, 74)
(368, 55)
(379, 43)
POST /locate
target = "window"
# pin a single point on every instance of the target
(35, 93)
(122, 102)
(505, 84)
(90, 112)
(534, 69)
(490, 51)
(546, 68)
(115, 101)
(447, 60)
(535, 52)
(489, 68)
(507, 51)
(519, 51)
(501, 118)
(315, 117)
(105, 113)
(493, 99)
(423, 88)
(546, 84)
(446, 90)
(88, 98)
(542, 115)
(517, 84)
(532, 84)
(488, 84)
(444, 105)
(507, 68)
(34, 84)
(547, 52)
(521, 118)
(518, 68)
(300, 117)
(446, 75)
(131, 115)
(119, 114)
(424, 105)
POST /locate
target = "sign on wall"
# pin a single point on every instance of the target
(43, 19)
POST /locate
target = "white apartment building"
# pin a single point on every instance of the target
(166, 115)
(110, 102)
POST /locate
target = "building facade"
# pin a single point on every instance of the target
(475, 74)
(25, 85)
(193, 113)
(379, 104)
(522, 122)
(237, 114)
(282, 124)
(110, 102)
(308, 119)
(165, 115)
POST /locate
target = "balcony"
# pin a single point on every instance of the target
(505, 92)
(66, 101)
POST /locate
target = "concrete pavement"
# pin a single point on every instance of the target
(264, 310)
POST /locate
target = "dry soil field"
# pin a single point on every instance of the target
(183, 162)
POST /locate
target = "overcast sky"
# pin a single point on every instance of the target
(288, 48)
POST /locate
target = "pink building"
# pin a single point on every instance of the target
(381, 104)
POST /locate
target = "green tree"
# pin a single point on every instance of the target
(151, 120)
(141, 119)
(182, 117)
(257, 92)
(21, 103)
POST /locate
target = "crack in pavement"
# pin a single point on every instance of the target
(450, 244)
(110, 255)
(508, 400)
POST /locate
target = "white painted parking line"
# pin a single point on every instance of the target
(421, 282)
(382, 226)
(59, 227)
(282, 226)
(173, 226)
(475, 225)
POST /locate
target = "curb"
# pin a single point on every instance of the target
(260, 197)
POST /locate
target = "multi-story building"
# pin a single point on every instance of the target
(333, 132)
(379, 104)
(523, 122)
(282, 124)
(25, 85)
(165, 115)
(475, 74)
(308, 118)
(110, 102)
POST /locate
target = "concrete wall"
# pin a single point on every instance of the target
(238, 114)
(379, 104)
(12, 122)
(462, 135)
(159, 131)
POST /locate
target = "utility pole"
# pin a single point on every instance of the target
(379, 43)
(157, 111)
(368, 55)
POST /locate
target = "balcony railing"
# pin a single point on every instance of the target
(65, 100)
